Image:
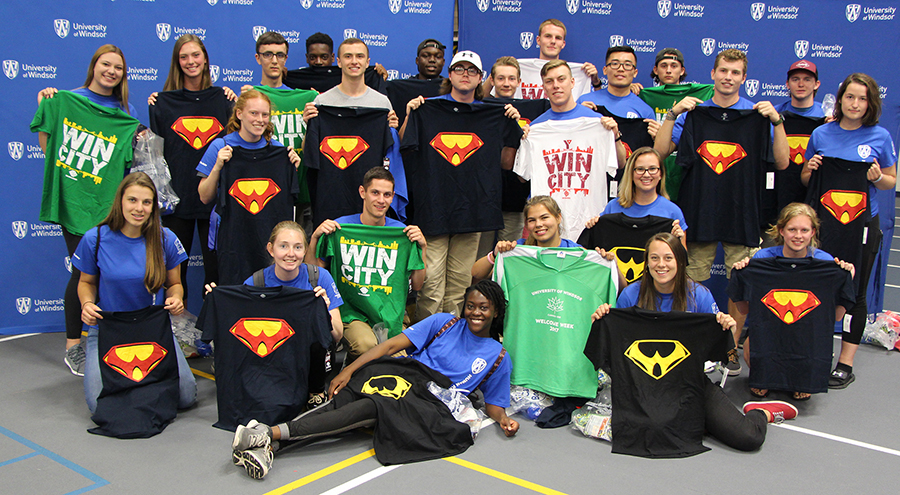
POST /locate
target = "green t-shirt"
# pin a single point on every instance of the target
(88, 150)
(662, 99)
(552, 293)
(371, 267)
(287, 117)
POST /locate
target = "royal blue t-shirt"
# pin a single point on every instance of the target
(105, 101)
(703, 301)
(563, 243)
(578, 111)
(121, 264)
(775, 251)
(448, 97)
(355, 220)
(630, 106)
(859, 145)
(301, 281)
(814, 111)
(233, 139)
(741, 104)
(660, 207)
(462, 357)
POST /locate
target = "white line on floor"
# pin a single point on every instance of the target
(359, 480)
(892, 286)
(14, 337)
(893, 266)
(836, 438)
(895, 250)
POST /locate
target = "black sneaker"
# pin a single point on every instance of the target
(75, 357)
(840, 379)
(733, 365)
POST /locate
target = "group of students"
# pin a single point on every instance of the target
(135, 257)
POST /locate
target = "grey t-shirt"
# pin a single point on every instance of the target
(334, 97)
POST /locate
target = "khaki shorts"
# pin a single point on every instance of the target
(702, 254)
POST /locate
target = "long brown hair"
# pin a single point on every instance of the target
(873, 98)
(234, 123)
(626, 188)
(121, 89)
(552, 207)
(151, 230)
(175, 80)
(682, 297)
(787, 214)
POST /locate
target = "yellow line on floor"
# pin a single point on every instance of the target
(502, 476)
(203, 374)
(322, 473)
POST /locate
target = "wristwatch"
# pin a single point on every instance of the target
(779, 121)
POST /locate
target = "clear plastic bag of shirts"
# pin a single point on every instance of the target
(148, 158)
(186, 333)
(460, 406)
(529, 403)
(594, 418)
(884, 331)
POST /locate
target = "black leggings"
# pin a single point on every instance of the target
(859, 312)
(71, 303)
(332, 418)
(184, 229)
(740, 431)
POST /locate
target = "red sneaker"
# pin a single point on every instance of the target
(780, 411)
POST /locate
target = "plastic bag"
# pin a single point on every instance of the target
(594, 419)
(529, 403)
(884, 331)
(148, 158)
(381, 332)
(188, 335)
(459, 406)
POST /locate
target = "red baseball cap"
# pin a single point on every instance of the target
(804, 65)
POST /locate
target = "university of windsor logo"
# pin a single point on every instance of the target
(395, 5)
(61, 26)
(16, 149)
(23, 305)
(258, 31)
(483, 5)
(306, 4)
(852, 11)
(751, 86)
(214, 73)
(526, 39)
(801, 47)
(708, 46)
(163, 31)
(20, 228)
(572, 6)
(616, 40)
(757, 10)
(11, 68)
(349, 33)
(664, 8)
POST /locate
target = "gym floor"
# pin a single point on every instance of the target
(845, 441)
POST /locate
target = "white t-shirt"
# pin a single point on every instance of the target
(532, 88)
(566, 160)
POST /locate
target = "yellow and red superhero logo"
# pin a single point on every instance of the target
(657, 357)
(523, 122)
(455, 147)
(342, 151)
(197, 131)
(254, 194)
(628, 151)
(790, 305)
(391, 386)
(720, 156)
(797, 143)
(846, 206)
(135, 361)
(630, 261)
(262, 335)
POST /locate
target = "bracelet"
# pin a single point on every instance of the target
(619, 137)
(670, 115)
(490, 257)
(86, 302)
(876, 181)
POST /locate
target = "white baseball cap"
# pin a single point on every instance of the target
(467, 56)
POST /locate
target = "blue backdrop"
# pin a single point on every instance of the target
(49, 43)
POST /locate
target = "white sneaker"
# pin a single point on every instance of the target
(256, 462)
(252, 436)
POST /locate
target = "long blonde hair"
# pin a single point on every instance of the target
(787, 214)
(121, 89)
(151, 230)
(175, 80)
(626, 188)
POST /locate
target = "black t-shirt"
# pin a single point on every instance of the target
(656, 362)
(139, 373)
(788, 187)
(725, 154)
(634, 136)
(839, 192)
(413, 425)
(256, 191)
(453, 168)
(189, 121)
(262, 337)
(342, 144)
(322, 79)
(625, 237)
(792, 304)
(516, 192)
(400, 91)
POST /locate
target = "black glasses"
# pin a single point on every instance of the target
(460, 70)
(268, 55)
(615, 64)
(639, 171)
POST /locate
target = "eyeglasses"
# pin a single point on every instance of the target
(615, 64)
(460, 70)
(639, 171)
(281, 56)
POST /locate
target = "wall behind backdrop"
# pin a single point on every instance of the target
(49, 43)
